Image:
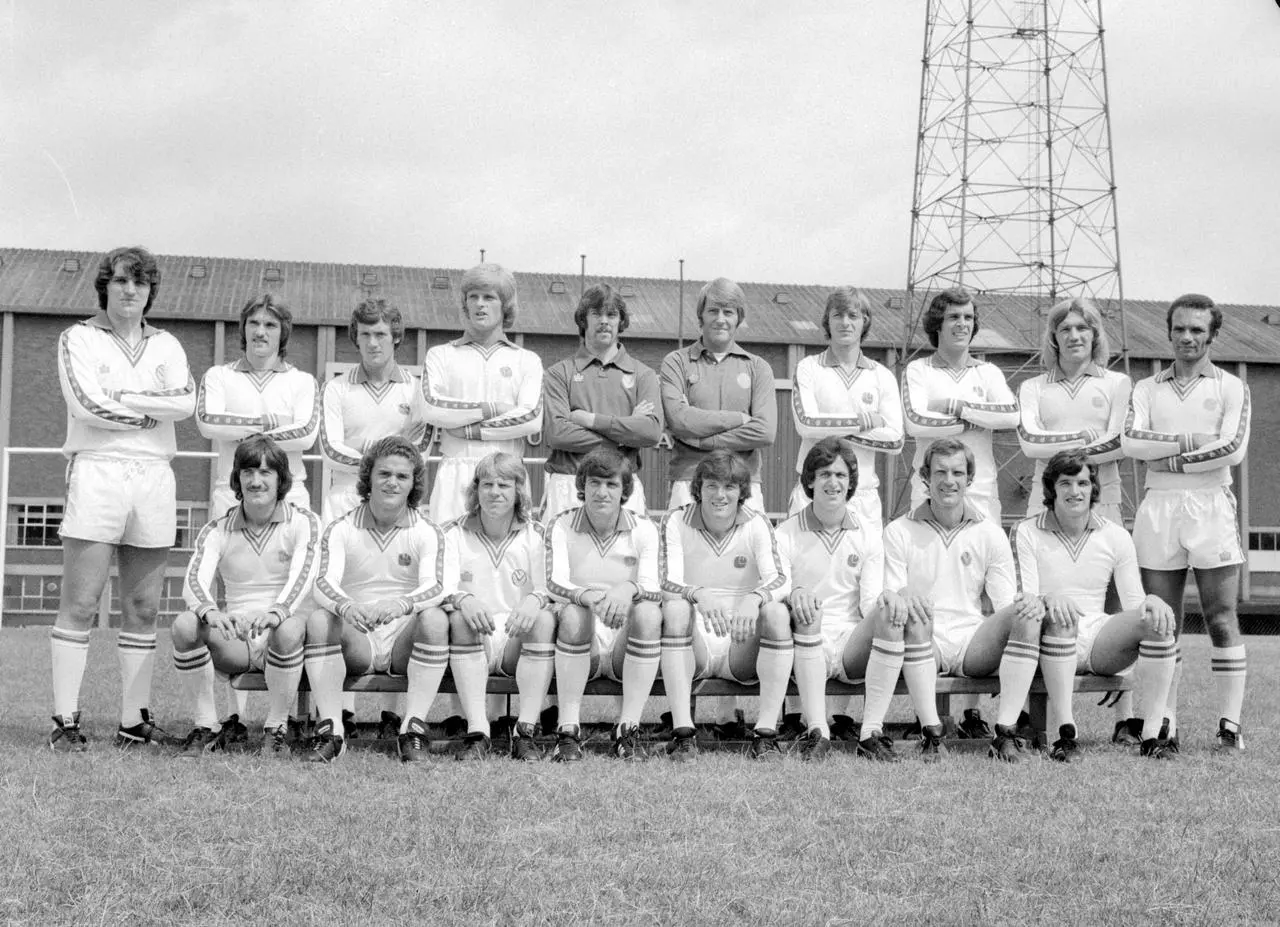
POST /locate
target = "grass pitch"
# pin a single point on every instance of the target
(109, 838)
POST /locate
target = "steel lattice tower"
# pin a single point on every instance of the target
(1015, 195)
(1015, 183)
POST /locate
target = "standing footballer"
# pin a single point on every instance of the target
(1190, 423)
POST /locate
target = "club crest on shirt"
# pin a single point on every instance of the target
(505, 371)
(966, 558)
(740, 562)
(159, 375)
(404, 408)
(868, 398)
(519, 577)
(979, 392)
(404, 560)
(577, 378)
(1098, 402)
(853, 560)
(744, 380)
(630, 561)
(628, 381)
(465, 576)
(104, 370)
(284, 556)
(1211, 403)
(692, 377)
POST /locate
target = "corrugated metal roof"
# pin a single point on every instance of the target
(34, 281)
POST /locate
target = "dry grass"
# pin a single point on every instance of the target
(106, 838)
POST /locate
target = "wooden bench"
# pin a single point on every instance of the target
(506, 686)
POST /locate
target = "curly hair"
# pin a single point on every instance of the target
(139, 265)
(371, 312)
(393, 446)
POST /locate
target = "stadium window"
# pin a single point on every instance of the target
(626, 291)
(557, 287)
(198, 272)
(29, 594)
(70, 265)
(34, 524)
(440, 282)
(782, 299)
(272, 275)
(191, 518)
(368, 278)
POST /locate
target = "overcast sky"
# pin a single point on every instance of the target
(761, 141)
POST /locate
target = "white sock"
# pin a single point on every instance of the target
(427, 664)
(471, 677)
(533, 678)
(1157, 662)
(1171, 701)
(639, 670)
(1058, 666)
(773, 667)
(883, 668)
(137, 653)
(195, 671)
(1229, 672)
(573, 669)
(283, 672)
(920, 670)
(70, 652)
(811, 680)
(1017, 669)
(326, 671)
(678, 665)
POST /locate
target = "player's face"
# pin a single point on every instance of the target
(957, 328)
(1073, 495)
(483, 310)
(602, 328)
(259, 485)
(126, 297)
(948, 479)
(719, 326)
(1075, 339)
(375, 344)
(1190, 334)
(831, 483)
(262, 335)
(603, 495)
(497, 496)
(846, 326)
(390, 482)
(720, 500)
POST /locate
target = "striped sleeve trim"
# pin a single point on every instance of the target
(82, 398)
(292, 597)
(1231, 446)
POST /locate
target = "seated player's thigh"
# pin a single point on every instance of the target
(392, 643)
(231, 656)
(1114, 646)
(644, 623)
(857, 649)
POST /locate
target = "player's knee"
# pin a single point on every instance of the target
(288, 635)
(918, 630)
(646, 621)
(774, 622)
(323, 624)
(432, 625)
(185, 631)
(677, 617)
(139, 609)
(459, 631)
(574, 625)
(544, 627)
